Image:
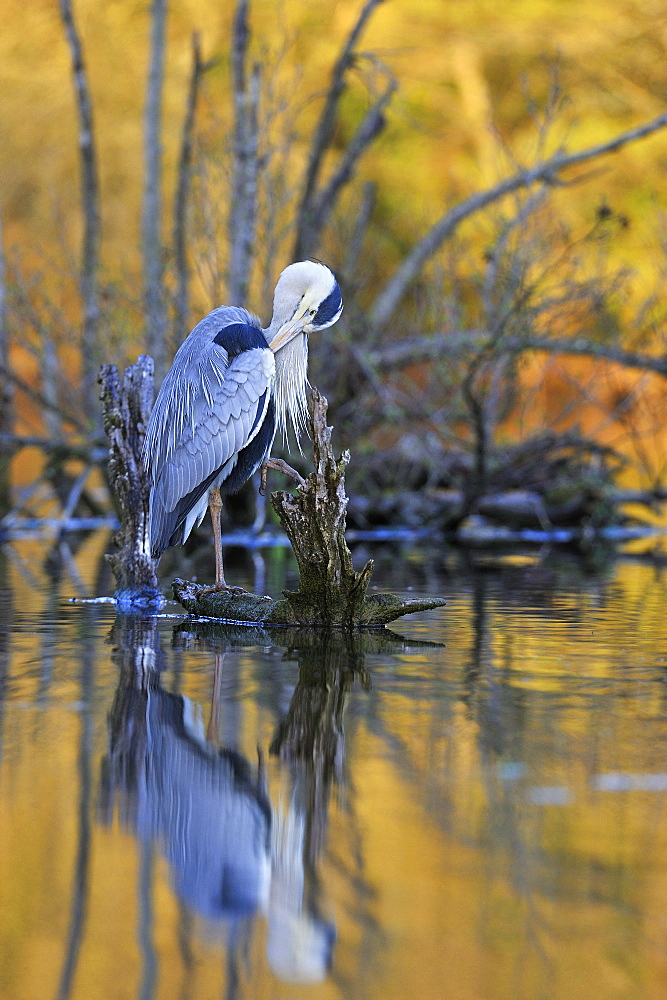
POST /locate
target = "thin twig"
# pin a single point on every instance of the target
(355, 243)
(93, 452)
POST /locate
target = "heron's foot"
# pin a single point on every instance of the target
(222, 588)
(280, 466)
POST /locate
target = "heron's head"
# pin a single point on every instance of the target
(307, 299)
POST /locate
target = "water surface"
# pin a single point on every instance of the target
(472, 805)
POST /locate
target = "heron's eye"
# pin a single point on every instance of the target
(313, 311)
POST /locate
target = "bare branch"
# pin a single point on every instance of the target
(355, 243)
(154, 297)
(50, 377)
(591, 349)
(245, 168)
(372, 124)
(90, 204)
(90, 451)
(325, 130)
(38, 397)
(415, 350)
(547, 172)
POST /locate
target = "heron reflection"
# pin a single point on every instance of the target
(207, 809)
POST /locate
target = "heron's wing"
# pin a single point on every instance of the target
(208, 409)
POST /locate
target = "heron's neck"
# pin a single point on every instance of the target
(282, 312)
(291, 388)
(272, 329)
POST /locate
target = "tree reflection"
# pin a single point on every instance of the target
(80, 888)
(6, 616)
(311, 739)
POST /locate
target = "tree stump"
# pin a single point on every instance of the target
(126, 407)
(331, 593)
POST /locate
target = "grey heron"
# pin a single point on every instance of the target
(231, 386)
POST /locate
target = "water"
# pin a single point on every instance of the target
(471, 806)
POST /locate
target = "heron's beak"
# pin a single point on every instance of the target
(287, 332)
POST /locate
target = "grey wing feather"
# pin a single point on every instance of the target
(204, 413)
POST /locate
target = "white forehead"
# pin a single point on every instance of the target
(306, 276)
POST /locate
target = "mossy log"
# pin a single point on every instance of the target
(331, 592)
(375, 611)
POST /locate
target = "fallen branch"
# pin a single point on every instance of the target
(14, 526)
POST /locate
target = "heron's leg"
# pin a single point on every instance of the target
(280, 466)
(213, 728)
(215, 507)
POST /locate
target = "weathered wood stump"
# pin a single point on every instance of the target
(331, 593)
(126, 406)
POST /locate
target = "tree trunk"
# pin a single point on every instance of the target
(181, 304)
(6, 397)
(154, 297)
(90, 251)
(245, 161)
(126, 407)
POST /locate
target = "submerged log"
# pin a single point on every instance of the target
(330, 593)
(376, 610)
(126, 406)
